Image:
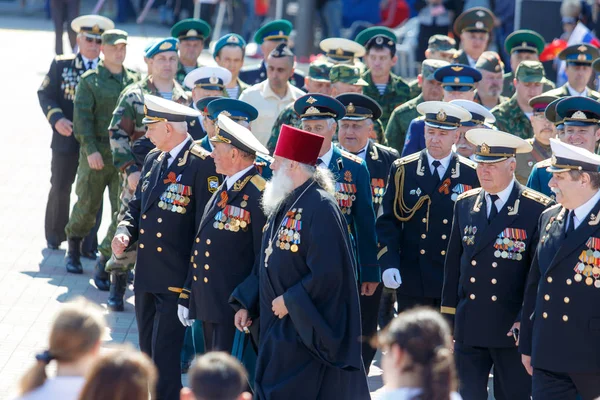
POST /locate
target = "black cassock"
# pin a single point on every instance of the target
(314, 352)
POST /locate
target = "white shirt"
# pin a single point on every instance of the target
(407, 394)
(86, 61)
(269, 105)
(234, 178)
(472, 61)
(574, 92)
(441, 170)
(502, 198)
(60, 387)
(583, 210)
(175, 151)
(327, 157)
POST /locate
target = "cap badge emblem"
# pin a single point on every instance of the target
(312, 111)
(578, 115)
(441, 116)
(350, 108)
(485, 149)
(311, 100)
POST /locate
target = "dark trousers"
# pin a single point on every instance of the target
(387, 307)
(161, 337)
(408, 302)
(547, 385)
(218, 337)
(63, 169)
(511, 380)
(63, 12)
(369, 313)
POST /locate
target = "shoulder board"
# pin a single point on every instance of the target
(199, 151)
(407, 159)
(544, 163)
(554, 207)
(469, 193)
(352, 157)
(259, 182)
(466, 161)
(530, 141)
(63, 57)
(537, 196)
(154, 150)
(89, 72)
(386, 148)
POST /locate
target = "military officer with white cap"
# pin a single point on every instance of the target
(163, 218)
(417, 209)
(207, 81)
(233, 215)
(559, 336)
(343, 51)
(493, 241)
(481, 117)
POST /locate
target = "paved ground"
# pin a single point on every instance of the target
(33, 281)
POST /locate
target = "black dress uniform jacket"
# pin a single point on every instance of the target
(415, 225)
(487, 265)
(56, 96)
(226, 248)
(165, 236)
(561, 318)
(195, 128)
(379, 160)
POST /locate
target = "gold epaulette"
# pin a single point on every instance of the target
(352, 157)
(544, 163)
(407, 159)
(199, 151)
(154, 150)
(467, 162)
(537, 196)
(62, 57)
(259, 182)
(469, 193)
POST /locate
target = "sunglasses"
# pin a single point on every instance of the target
(92, 40)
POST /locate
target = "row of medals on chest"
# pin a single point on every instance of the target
(288, 237)
(589, 264)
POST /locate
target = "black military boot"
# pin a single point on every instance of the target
(101, 278)
(73, 258)
(118, 286)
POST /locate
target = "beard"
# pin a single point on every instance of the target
(276, 191)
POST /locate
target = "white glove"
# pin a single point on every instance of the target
(183, 313)
(391, 278)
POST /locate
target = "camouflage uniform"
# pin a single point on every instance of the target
(95, 99)
(180, 75)
(415, 89)
(396, 93)
(510, 118)
(289, 117)
(126, 127)
(501, 99)
(400, 119)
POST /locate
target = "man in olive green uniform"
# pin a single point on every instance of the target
(488, 89)
(578, 59)
(317, 81)
(401, 117)
(474, 27)
(513, 116)
(439, 47)
(543, 131)
(229, 53)
(126, 128)
(95, 99)
(387, 89)
(522, 45)
(191, 33)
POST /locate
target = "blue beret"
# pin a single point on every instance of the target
(229, 39)
(168, 44)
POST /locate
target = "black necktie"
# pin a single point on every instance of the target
(571, 226)
(493, 208)
(90, 64)
(320, 162)
(164, 165)
(436, 174)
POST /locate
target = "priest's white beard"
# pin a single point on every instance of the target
(277, 189)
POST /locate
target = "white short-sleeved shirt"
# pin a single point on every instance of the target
(60, 387)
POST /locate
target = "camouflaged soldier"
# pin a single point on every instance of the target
(317, 81)
(489, 88)
(401, 117)
(440, 47)
(191, 33)
(387, 89)
(95, 98)
(511, 116)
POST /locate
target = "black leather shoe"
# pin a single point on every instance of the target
(118, 286)
(101, 278)
(73, 258)
(52, 246)
(89, 255)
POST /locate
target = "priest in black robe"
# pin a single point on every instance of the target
(304, 292)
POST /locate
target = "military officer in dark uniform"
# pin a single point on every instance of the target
(233, 215)
(269, 36)
(318, 114)
(493, 239)
(191, 33)
(559, 330)
(578, 68)
(163, 219)
(414, 227)
(56, 96)
(198, 126)
(474, 27)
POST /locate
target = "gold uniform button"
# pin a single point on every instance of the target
(472, 297)
(423, 236)
(142, 231)
(494, 281)
(494, 298)
(195, 278)
(195, 265)
(472, 279)
(547, 297)
(444, 237)
(195, 252)
(159, 249)
(206, 267)
(494, 264)
(565, 318)
(141, 245)
(549, 279)
(569, 281)
(197, 240)
(208, 241)
(545, 315)
(424, 220)
(473, 262)
(422, 251)
(207, 254)
(144, 216)
(443, 252)
(445, 221)
(205, 280)
(158, 234)
(159, 220)
(567, 300)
